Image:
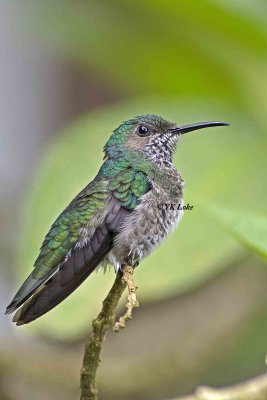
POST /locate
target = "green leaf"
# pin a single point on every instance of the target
(246, 227)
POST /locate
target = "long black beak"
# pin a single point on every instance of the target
(194, 127)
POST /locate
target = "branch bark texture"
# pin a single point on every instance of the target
(105, 319)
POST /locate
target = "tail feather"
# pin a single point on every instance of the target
(72, 273)
(28, 288)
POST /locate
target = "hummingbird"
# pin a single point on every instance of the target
(115, 220)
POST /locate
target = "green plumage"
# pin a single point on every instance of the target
(64, 233)
(114, 219)
(127, 186)
(123, 177)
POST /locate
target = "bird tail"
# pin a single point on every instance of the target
(69, 276)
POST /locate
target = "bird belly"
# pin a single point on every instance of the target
(145, 229)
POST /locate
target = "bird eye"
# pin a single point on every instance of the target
(143, 130)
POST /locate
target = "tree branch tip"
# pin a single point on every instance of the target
(207, 393)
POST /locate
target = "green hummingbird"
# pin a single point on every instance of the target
(115, 220)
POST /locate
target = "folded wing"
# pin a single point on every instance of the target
(77, 242)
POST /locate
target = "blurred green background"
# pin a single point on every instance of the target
(70, 72)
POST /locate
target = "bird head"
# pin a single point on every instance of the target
(151, 135)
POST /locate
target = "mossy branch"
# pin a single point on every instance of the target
(105, 319)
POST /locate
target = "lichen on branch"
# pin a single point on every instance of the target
(131, 299)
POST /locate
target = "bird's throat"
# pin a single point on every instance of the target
(161, 148)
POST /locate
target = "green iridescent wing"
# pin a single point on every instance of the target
(129, 186)
(85, 209)
(65, 260)
(64, 234)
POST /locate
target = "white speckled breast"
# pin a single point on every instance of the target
(149, 224)
(146, 227)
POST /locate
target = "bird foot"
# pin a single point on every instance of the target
(132, 301)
